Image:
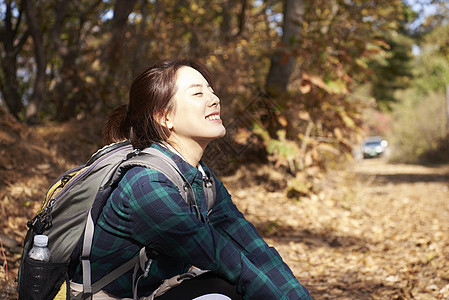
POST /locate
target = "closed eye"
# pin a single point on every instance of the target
(198, 94)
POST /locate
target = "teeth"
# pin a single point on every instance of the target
(213, 117)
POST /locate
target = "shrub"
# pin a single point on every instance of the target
(419, 124)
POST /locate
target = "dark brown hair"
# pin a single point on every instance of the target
(149, 97)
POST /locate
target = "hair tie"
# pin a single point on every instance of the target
(127, 109)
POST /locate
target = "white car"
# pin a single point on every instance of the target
(374, 147)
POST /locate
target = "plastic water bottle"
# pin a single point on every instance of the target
(40, 250)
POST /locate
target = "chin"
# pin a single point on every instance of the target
(222, 133)
(215, 136)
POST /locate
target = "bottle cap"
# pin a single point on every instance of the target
(41, 240)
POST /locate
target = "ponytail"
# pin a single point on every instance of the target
(117, 126)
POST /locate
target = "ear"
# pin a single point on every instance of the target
(165, 120)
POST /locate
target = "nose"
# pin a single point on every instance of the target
(213, 99)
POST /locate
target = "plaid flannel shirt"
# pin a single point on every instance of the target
(146, 209)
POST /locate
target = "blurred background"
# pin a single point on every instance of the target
(304, 81)
(306, 86)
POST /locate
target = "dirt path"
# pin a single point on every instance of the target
(377, 231)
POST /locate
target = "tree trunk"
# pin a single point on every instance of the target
(112, 54)
(447, 108)
(141, 49)
(242, 16)
(9, 86)
(41, 63)
(282, 61)
(114, 49)
(71, 83)
(12, 43)
(225, 25)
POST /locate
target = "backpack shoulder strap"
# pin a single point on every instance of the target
(156, 160)
(159, 163)
(153, 159)
(209, 191)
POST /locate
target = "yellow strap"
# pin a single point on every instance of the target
(62, 292)
(53, 188)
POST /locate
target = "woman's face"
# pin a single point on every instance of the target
(196, 115)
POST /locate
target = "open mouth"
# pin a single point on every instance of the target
(213, 117)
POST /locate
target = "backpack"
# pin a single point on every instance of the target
(70, 210)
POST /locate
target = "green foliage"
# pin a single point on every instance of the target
(281, 150)
(419, 123)
(439, 38)
(393, 70)
(419, 131)
(433, 71)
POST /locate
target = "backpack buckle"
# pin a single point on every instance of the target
(135, 152)
(40, 223)
(207, 181)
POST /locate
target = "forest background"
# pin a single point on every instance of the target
(301, 82)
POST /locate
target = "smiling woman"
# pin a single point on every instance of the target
(195, 119)
(202, 252)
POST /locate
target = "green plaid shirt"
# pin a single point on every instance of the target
(146, 209)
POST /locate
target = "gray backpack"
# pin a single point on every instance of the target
(70, 211)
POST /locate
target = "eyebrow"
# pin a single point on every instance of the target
(197, 85)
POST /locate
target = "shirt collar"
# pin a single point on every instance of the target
(189, 172)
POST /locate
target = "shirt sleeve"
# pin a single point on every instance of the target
(153, 202)
(231, 224)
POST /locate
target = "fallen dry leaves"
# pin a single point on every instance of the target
(373, 231)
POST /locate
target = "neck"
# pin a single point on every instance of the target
(190, 150)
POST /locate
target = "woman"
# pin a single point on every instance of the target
(173, 108)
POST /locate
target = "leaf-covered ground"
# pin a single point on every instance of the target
(374, 231)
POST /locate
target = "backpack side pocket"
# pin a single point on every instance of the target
(41, 280)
